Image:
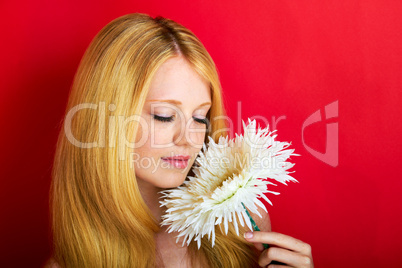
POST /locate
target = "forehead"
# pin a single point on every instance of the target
(176, 79)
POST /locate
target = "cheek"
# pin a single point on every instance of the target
(201, 138)
(151, 135)
(160, 134)
(143, 131)
(162, 137)
(197, 137)
(142, 140)
(139, 135)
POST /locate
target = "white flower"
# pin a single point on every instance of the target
(230, 173)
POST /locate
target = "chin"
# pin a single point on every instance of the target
(171, 180)
(170, 184)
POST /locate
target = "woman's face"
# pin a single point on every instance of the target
(173, 125)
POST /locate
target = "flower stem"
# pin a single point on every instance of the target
(255, 227)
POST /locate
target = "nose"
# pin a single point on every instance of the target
(181, 133)
(187, 134)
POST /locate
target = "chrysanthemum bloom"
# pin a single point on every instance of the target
(230, 176)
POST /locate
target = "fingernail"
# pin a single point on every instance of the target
(248, 235)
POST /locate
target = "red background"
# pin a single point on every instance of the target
(277, 58)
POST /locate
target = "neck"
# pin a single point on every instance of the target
(151, 196)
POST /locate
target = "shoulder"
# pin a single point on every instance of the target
(51, 263)
(264, 222)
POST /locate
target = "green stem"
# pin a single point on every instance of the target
(255, 227)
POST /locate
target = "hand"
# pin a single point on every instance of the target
(290, 251)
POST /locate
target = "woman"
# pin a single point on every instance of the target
(145, 97)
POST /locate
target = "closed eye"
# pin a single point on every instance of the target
(201, 120)
(162, 118)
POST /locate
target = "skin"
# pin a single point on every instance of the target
(177, 81)
(285, 249)
(179, 93)
(189, 102)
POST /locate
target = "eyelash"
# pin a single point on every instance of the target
(162, 118)
(201, 121)
(170, 119)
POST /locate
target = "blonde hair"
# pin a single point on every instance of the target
(99, 218)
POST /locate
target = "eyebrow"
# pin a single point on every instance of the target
(176, 102)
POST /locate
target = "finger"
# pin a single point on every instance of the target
(259, 246)
(277, 266)
(280, 240)
(286, 257)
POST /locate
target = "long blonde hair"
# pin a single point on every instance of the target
(99, 218)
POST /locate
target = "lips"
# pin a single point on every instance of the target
(177, 161)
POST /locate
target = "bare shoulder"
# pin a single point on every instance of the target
(263, 223)
(51, 263)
